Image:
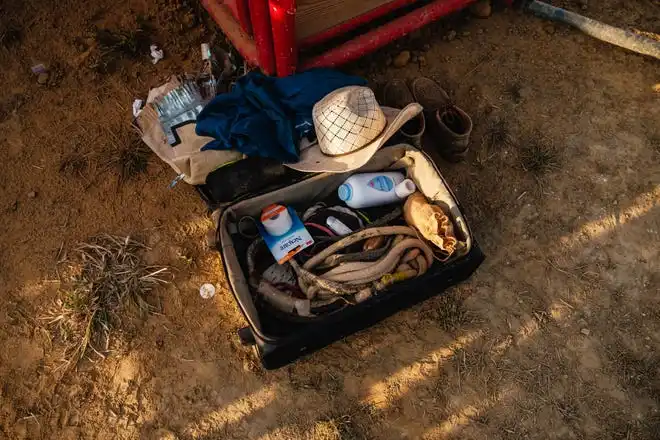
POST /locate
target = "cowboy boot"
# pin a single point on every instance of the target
(397, 95)
(449, 124)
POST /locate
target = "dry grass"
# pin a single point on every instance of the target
(497, 137)
(74, 165)
(10, 36)
(352, 422)
(128, 156)
(110, 281)
(539, 155)
(116, 45)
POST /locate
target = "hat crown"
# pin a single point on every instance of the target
(347, 120)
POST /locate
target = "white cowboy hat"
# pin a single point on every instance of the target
(350, 127)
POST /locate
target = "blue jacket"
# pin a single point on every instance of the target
(267, 116)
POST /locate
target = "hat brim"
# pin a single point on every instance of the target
(312, 160)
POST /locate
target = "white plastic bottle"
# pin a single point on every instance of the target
(375, 189)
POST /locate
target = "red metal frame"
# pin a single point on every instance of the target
(283, 20)
(242, 41)
(351, 24)
(263, 31)
(381, 36)
(263, 34)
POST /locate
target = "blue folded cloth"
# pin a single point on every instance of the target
(267, 116)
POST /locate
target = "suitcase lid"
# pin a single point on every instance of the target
(244, 179)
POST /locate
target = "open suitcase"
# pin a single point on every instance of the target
(245, 188)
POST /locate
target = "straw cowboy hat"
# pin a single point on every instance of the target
(350, 127)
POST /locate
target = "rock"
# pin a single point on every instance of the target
(32, 194)
(465, 33)
(421, 60)
(451, 35)
(481, 9)
(550, 29)
(480, 31)
(585, 331)
(426, 47)
(42, 78)
(402, 59)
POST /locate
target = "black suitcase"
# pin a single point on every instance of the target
(249, 185)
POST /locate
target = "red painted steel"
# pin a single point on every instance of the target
(232, 29)
(263, 34)
(379, 37)
(283, 20)
(351, 24)
(243, 15)
(275, 49)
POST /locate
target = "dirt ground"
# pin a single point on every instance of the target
(556, 336)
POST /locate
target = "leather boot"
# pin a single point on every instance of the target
(449, 125)
(397, 95)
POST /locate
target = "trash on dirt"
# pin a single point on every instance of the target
(207, 291)
(179, 106)
(218, 68)
(39, 68)
(156, 54)
(178, 103)
(137, 107)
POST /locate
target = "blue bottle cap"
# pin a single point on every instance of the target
(345, 192)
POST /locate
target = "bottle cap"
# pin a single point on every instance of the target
(345, 192)
(405, 188)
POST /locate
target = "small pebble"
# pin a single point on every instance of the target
(422, 60)
(414, 59)
(480, 31)
(550, 29)
(585, 331)
(32, 194)
(426, 47)
(466, 33)
(402, 59)
(43, 78)
(451, 35)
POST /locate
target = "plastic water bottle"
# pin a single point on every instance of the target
(375, 189)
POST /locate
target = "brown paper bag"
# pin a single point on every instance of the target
(186, 158)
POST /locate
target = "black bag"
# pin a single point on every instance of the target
(243, 189)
